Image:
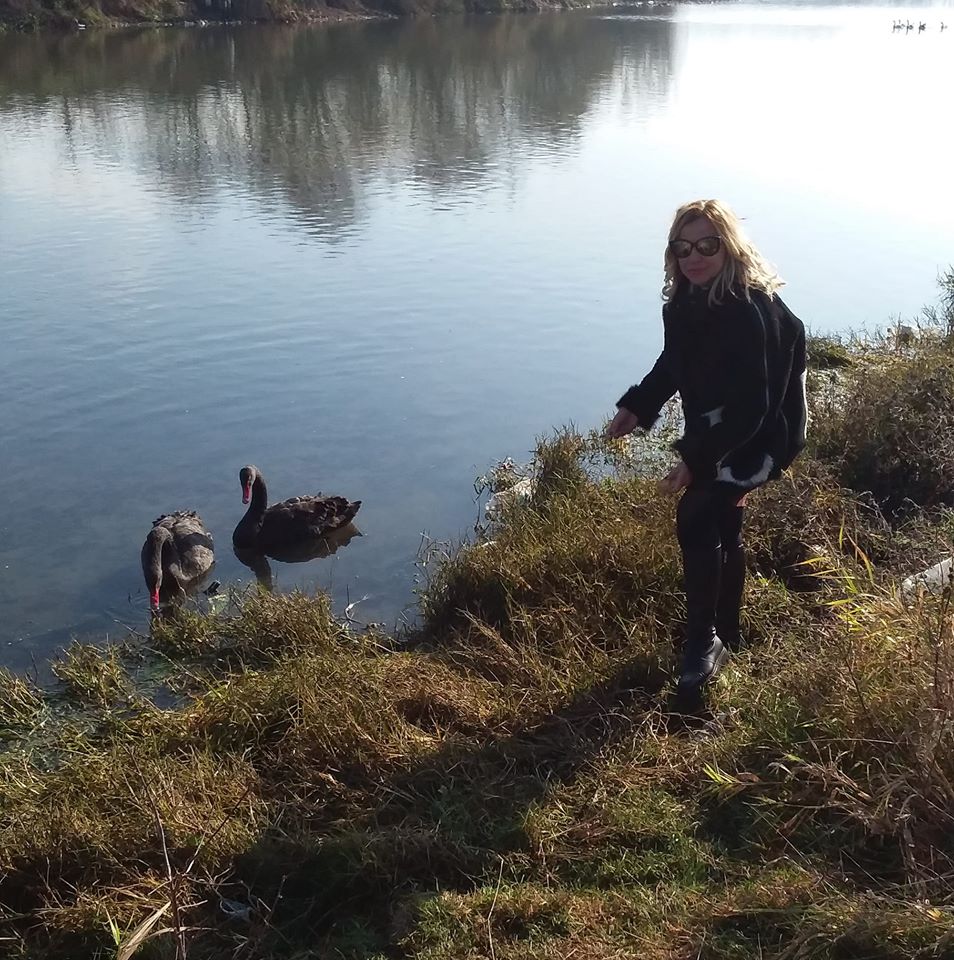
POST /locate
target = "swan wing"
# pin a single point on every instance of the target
(307, 516)
(182, 523)
(193, 542)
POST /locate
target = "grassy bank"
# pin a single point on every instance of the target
(509, 781)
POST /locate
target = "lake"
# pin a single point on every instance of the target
(373, 258)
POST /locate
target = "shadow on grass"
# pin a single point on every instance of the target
(443, 825)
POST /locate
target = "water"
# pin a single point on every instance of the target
(374, 258)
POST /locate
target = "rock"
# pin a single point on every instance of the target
(235, 909)
(522, 490)
(932, 580)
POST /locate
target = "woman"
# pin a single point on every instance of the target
(736, 355)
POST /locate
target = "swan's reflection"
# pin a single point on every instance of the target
(300, 552)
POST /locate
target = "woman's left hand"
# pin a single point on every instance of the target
(676, 479)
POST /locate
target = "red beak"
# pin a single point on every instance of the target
(154, 600)
(246, 492)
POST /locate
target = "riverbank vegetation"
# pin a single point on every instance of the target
(508, 780)
(79, 14)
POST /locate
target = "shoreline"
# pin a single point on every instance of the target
(75, 16)
(509, 779)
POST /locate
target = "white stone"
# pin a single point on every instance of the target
(522, 490)
(932, 580)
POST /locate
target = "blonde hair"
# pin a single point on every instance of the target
(745, 268)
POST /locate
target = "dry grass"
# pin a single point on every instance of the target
(509, 781)
(20, 704)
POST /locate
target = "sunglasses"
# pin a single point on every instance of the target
(707, 246)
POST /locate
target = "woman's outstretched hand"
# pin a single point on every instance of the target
(676, 479)
(624, 422)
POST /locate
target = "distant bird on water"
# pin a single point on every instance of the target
(176, 556)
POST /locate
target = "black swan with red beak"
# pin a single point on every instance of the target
(267, 529)
(176, 556)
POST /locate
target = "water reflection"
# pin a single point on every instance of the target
(300, 552)
(305, 117)
(386, 255)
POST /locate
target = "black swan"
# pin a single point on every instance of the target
(281, 526)
(177, 554)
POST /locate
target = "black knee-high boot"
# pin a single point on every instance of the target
(730, 596)
(704, 651)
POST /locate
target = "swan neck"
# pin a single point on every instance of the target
(160, 557)
(152, 560)
(259, 496)
(248, 527)
(173, 561)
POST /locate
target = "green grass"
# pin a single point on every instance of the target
(509, 780)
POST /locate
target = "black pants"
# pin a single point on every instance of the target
(709, 517)
(709, 529)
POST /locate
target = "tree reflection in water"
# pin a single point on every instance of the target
(305, 116)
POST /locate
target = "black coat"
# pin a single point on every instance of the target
(739, 368)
